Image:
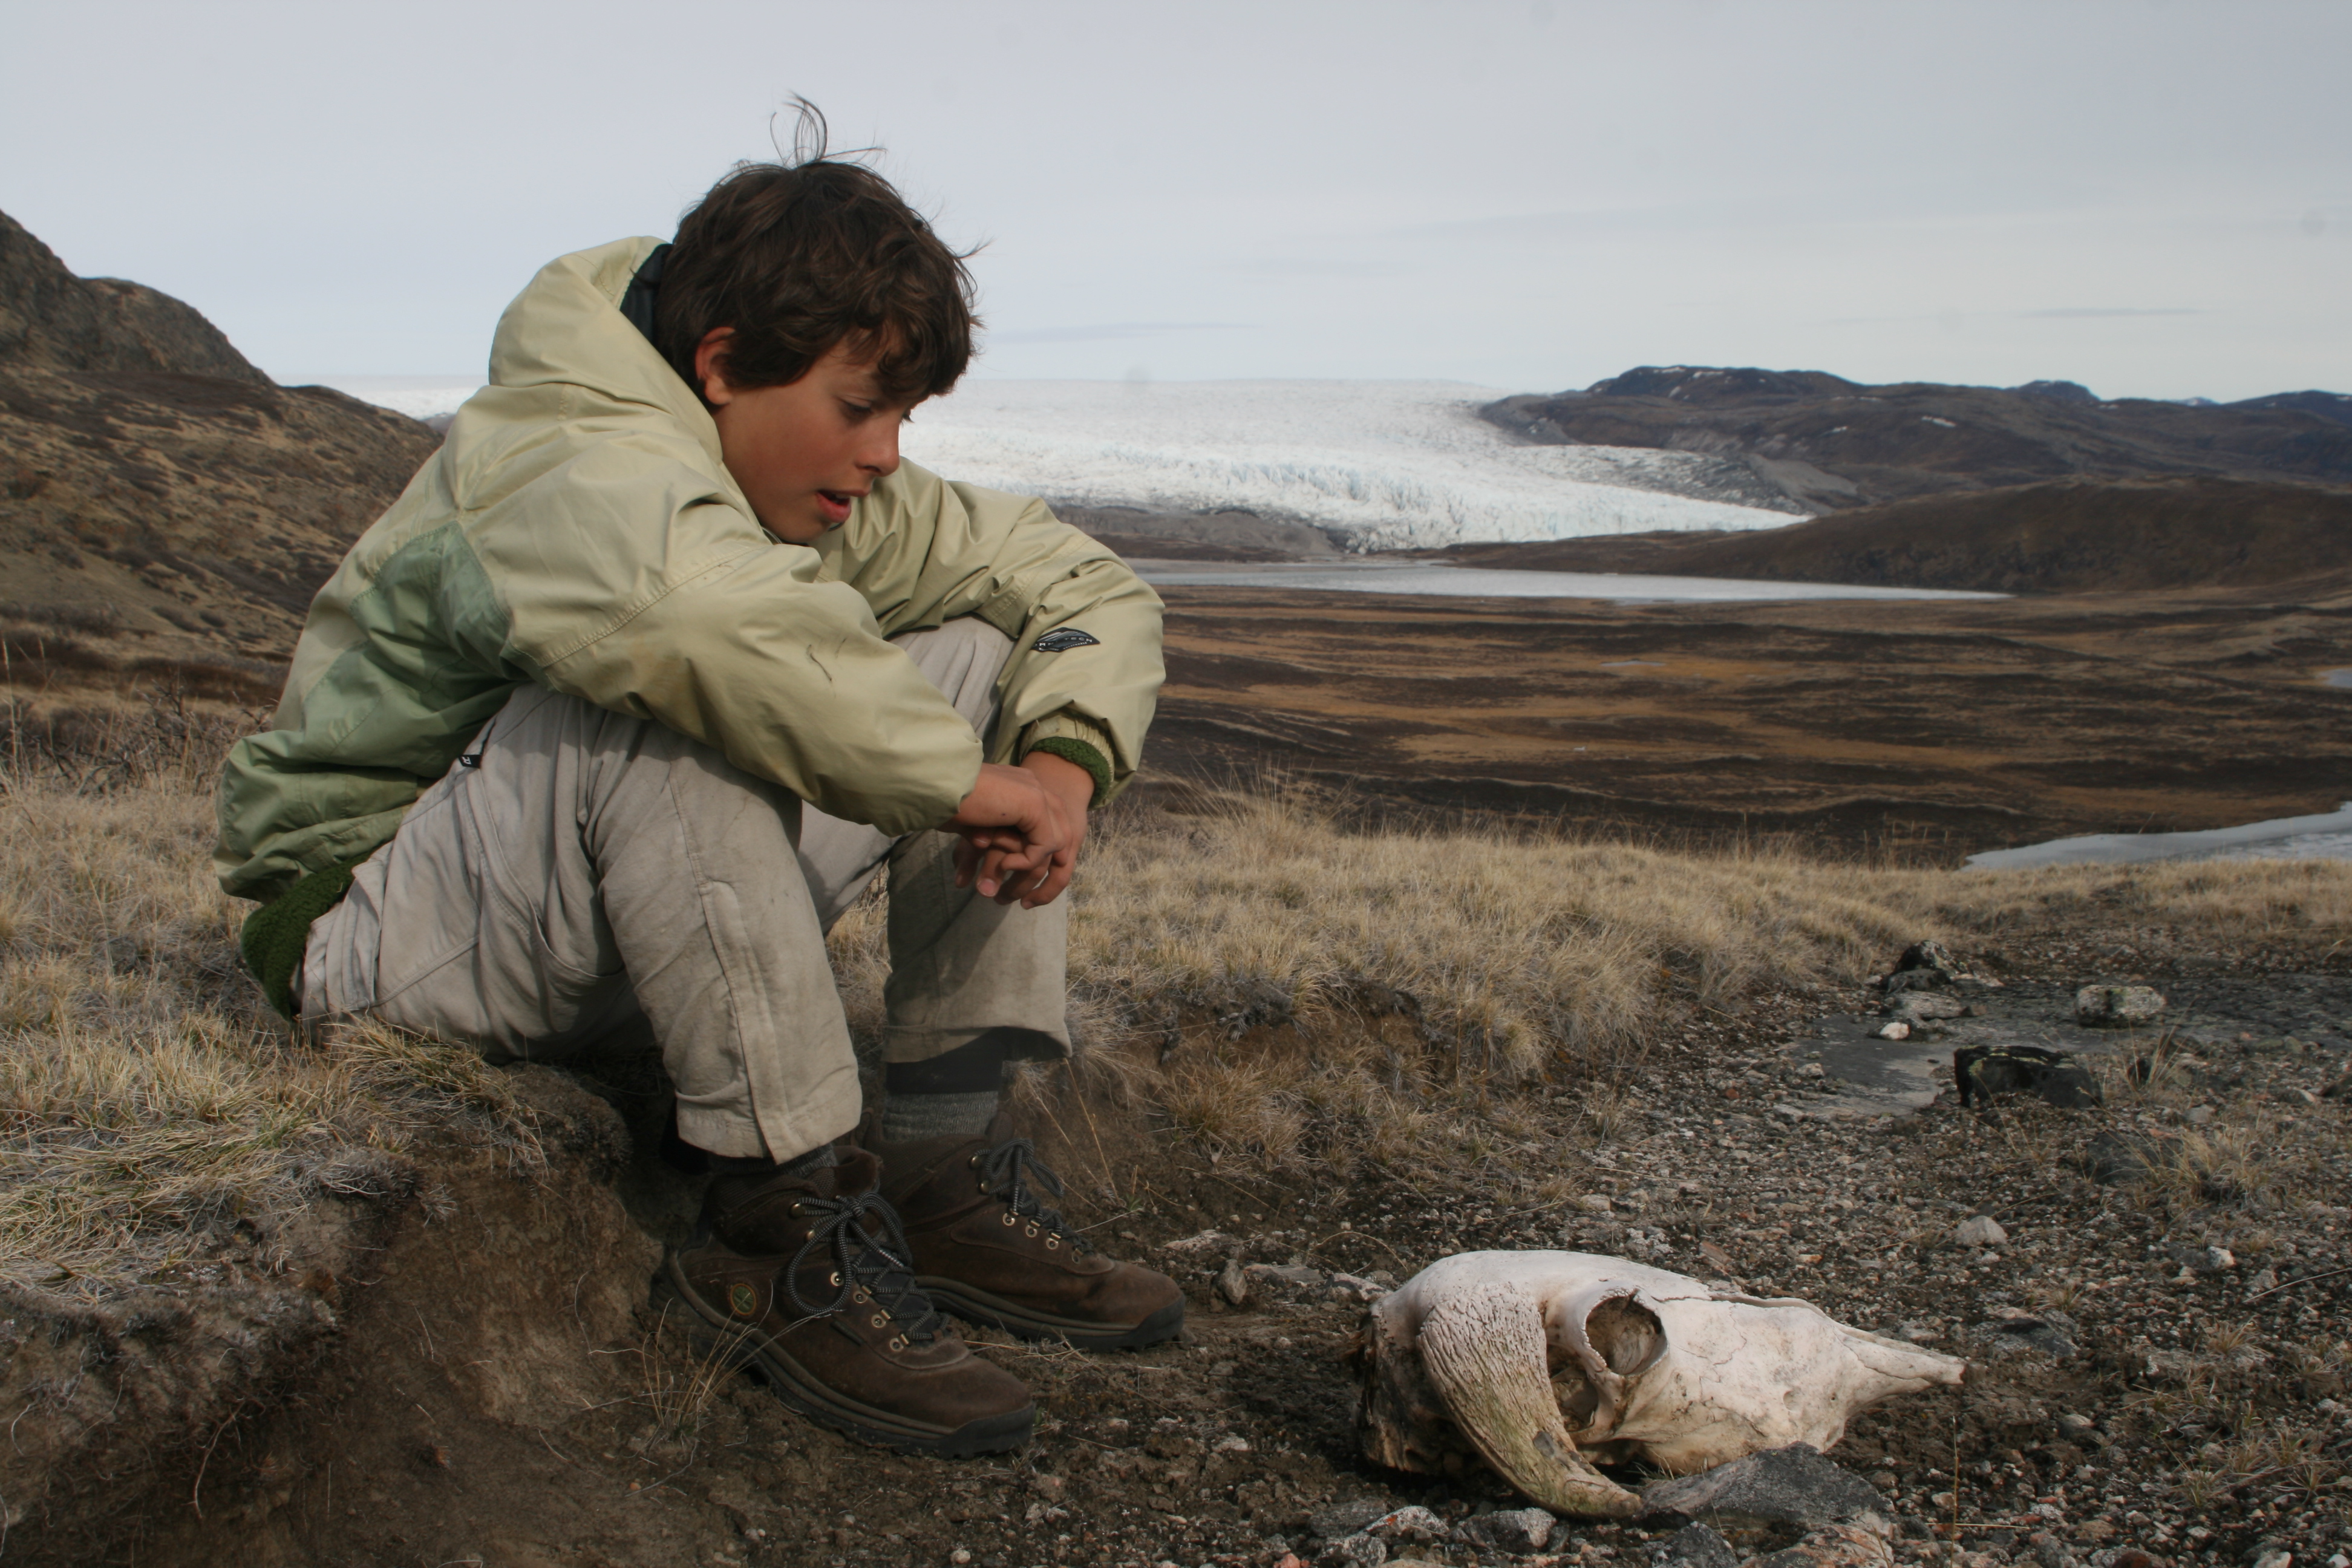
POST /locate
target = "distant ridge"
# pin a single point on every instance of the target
(161, 499)
(1827, 444)
(2067, 536)
(51, 320)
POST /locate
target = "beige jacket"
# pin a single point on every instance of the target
(579, 530)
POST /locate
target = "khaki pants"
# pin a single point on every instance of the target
(580, 869)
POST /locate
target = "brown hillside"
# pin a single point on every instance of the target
(1827, 442)
(161, 498)
(2072, 536)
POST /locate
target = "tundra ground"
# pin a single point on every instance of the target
(366, 1302)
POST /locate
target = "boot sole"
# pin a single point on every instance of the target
(1026, 1322)
(744, 1347)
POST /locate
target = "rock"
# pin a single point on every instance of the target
(1695, 1546)
(1907, 981)
(1351, 1518)
(2206, 1259)
(1207, 1244)
(1233, 1283)
(1980, 1230)
(1916, 1007)
(2052, 1076)
(2048, 1335)
(1354, 1552)
(1349, 1288)
(1928, 955)
(2274, 1557)
(2340, 1089)
(1290, 1279)
(2198, 1115)
(1770, 1490)
(1521, 1531)
(2116, 1006)
(1595, 1203)
(1832, 1546)
(1899, 1030)
(1412, 1522)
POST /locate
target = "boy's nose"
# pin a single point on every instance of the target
(880, 457)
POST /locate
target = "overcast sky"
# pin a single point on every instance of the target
(2153, 198)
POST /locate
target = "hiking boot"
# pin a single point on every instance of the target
(986, 1249)
(805, 1277)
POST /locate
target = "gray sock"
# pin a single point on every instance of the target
(952, 1095)
(911, 1118)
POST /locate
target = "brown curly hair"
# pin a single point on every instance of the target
(801, 255)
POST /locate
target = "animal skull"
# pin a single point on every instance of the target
(1538, 1359)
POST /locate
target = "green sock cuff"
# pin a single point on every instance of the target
(1071, 750)
(274, 936)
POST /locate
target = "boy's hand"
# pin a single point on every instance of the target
(1018, 837)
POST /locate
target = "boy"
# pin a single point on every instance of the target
(642, 679)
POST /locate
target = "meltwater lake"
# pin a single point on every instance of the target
(1375, 575)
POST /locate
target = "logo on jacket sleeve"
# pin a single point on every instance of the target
(1064, 641)
(744, 1301)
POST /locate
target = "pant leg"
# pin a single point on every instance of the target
(589, 864)
(960, 964)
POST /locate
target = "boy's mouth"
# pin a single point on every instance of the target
(835, 505)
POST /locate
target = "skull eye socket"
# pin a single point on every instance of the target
(1627, 1334)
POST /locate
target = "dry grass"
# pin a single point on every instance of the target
(149, 1107)
(1263, 982)
(1275, 986)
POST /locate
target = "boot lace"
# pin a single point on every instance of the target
(862, 1238)
(1006, 1173)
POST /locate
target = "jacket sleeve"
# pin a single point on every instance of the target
(1086, 662)
(630, 579)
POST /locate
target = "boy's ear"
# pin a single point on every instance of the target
(711, 366)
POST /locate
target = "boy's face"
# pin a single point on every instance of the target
(804, 451)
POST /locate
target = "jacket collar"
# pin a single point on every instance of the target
(566, 327)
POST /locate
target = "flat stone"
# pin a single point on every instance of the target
(1347, 1518)
(1354, 1552)
(1411, 1522)
(1521, 1531)
(1695, 1546)
(2052, 1335)
(2116, 1006)
(1832, 1546)
(1774, 1489)
(1286, 1276)
(1980, 1230)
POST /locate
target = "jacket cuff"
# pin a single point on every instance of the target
(273, 936)
(1074, 740)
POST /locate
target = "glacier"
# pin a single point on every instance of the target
(1385, 464)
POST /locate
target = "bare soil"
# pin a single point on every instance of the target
(500, 1388)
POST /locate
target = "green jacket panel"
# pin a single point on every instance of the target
(578, 529)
